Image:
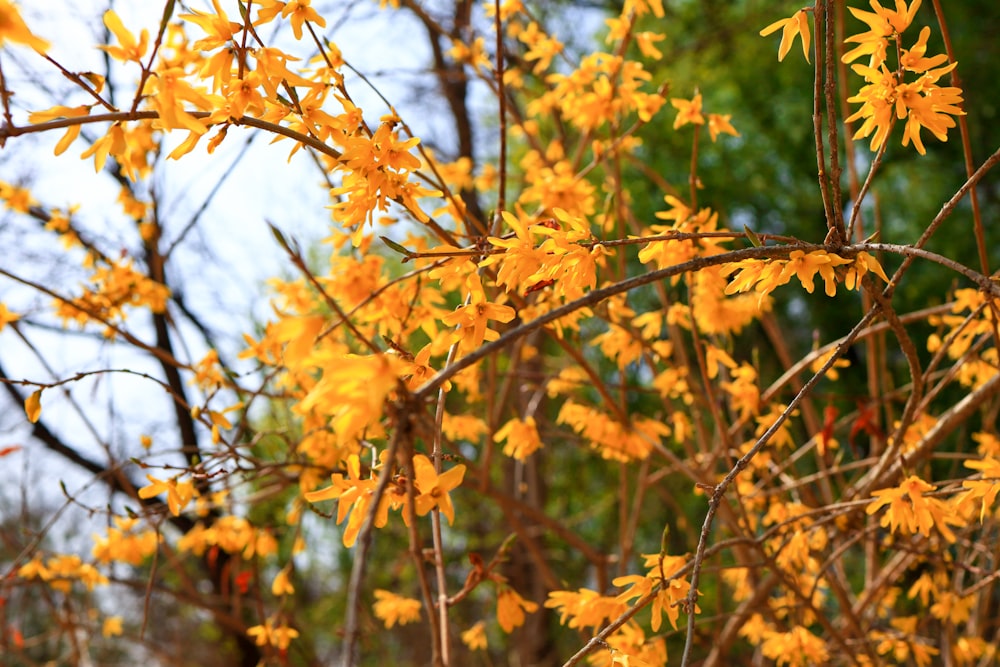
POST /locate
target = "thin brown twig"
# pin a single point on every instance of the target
(439, 562)
(833, 133)
(502, 112)
(817, 118)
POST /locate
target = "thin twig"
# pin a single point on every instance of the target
(502, 111)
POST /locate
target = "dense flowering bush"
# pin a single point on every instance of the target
(492, 353)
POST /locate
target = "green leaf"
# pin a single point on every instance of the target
(397, 247)
(279, 237)
(168, 13)
(752, 237)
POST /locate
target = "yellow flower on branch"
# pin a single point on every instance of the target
(914, 60)
(434, 488)
(796, 648)
(130, 49)
(280, 636)
(392, 609)
(585, 607)
(882, 24)
(912, 509)
(59, 111)
(541, 47)
(689, 111)
(113, 143)
(17, 199)
(472, 318)
(124, 545)
(643, 7)
(473, 54)
(796, 24)
(179, 494)
(984, 490)
(6, 316)
(887, 95)
(926, 105)
(300, 11)
(521, 436)
(353, 495)
(511, 608)
(805, 267)
(167, 97)
(863, 263)
(219, 28)
(646, 42)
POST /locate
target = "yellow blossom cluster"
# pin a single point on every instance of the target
(354, 492)
(906, 90)
(60, 571)
(113, 287)
(125, 544)
(765, 275)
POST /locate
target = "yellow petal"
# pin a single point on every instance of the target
(33, 406)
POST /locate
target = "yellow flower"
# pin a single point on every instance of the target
(863, 263)
(805, 267)
(434, 488)
(521, 436)
(112, 626)
(218, 26)
(475, 637)
(911, 509)
(17, 199)
(353, 496)
(511, 608)
(168, 93)
(281, 584)
(130, 49)
(301, 12)
(925, 105)
(689, 111)
(13, 28)
(914, 60)
(882, 24)
(986, 489)
(59, 111)
(719, 123)
(179, 494)
(876, 100)
(797, 648)
(280, 637)
(6, 317)
(393, 609)
(472, 318)
(796, 24)
(541, 47)
(646, 43)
